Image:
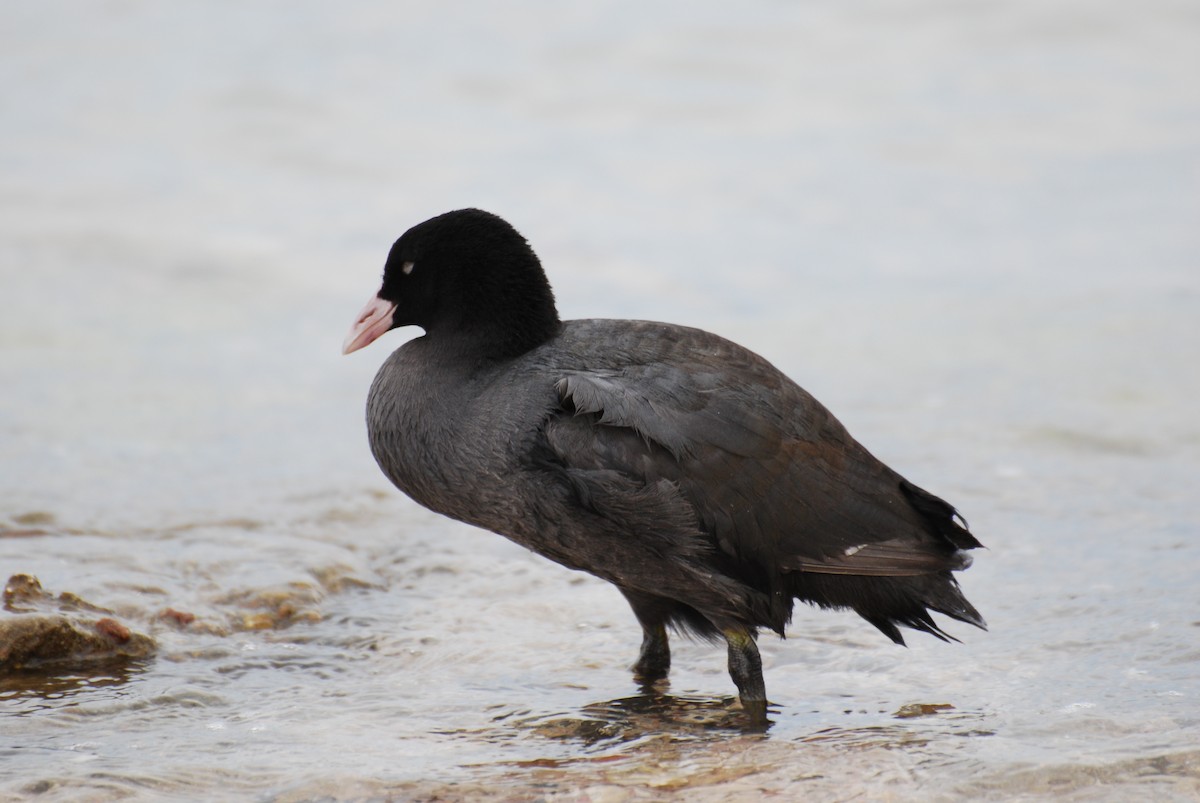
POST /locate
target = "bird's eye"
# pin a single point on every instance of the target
(407, 268)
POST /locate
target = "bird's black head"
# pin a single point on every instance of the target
(467, 276)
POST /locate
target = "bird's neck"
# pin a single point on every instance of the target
(497, 333)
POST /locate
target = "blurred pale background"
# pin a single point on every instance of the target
(972, 230)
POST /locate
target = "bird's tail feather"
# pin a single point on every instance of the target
(892, 602)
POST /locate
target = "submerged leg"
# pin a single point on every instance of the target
(745, 667)
(654, 661)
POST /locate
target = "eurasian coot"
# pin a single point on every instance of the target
(709, 488)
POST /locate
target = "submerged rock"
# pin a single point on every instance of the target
(176, 618)
(38, 635)
(275, 607)
(913, 710)
(23, 593)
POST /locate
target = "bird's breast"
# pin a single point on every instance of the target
(438, 437)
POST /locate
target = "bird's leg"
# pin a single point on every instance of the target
(745, 667)
(654, 661)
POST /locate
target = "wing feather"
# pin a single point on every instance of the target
(772, 476)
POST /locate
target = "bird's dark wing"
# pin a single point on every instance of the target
(775, 481)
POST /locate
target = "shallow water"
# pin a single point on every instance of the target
(970, 232)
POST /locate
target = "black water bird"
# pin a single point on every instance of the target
(709, 488)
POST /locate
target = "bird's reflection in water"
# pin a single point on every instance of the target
(651, 714)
